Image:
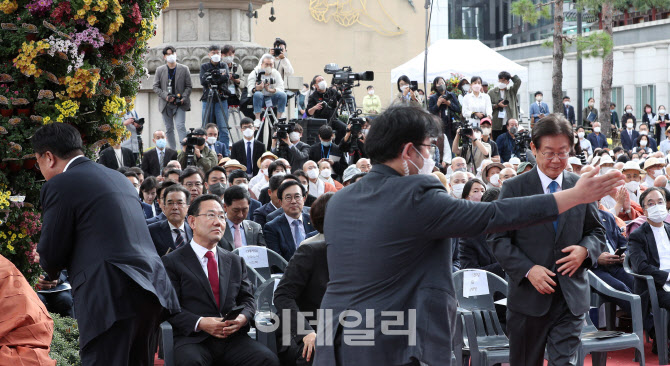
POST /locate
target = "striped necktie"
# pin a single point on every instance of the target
(180, 239)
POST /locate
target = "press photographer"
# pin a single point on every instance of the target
(236, 74)
(444, 104)
(195, 152)
(282, 63)
(507, 146)
(280, 138)
(172, 83)
(322, 103)
(353, 149)
(468, 144)
(214, 78)
(298, 151)
(266, 84)
(134, 124)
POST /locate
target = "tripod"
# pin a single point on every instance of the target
(268, 120)
(214, 97)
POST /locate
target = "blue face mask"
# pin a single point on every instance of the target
(325, 143)
(161, 143)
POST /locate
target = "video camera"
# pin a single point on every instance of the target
(466, 129)
(191, 142)
(139, 125)
(345, 76)
(261, 80)
(235, 75)
(217, 79)
(282, 129)
(522, 141)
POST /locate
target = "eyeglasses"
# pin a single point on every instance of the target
(178, 203)
(211, 217)
(431, 148)
(296, 198)
(191, 184)
(552, 155)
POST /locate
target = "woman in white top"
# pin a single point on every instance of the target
(477, 104)
(583, 142)
(464, 88)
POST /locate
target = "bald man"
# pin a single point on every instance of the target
(506, 174)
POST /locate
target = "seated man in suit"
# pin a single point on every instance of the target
(210, 282)
(280, 211)
(286, 232)
(172, 233)
(192, 178)
(597, 139)
(212, 140)
(260, 215)
(115, 157)
(629, 135)
(171, 174)
(239, 178)
(148, 194)
(216, 176)
(239, 231)
(248, 150)
(153, 161)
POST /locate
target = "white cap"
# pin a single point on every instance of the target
(573, 160)
(606, 159)
(515, 161)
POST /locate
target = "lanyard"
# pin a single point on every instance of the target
(323, 154)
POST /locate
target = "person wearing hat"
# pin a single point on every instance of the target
(263, 163)
(485, 125)
(223, 161)
(248, 150)
(478, 151)
(491, 175)
(232, 165)
(576, 164)
(205, 158)
(654, 168)
(515, 162)
(524, 167)
(606, 164)
(349, 173)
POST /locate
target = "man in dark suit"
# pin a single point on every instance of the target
(261, 214)
(116, 156)
(549, 289)
(174, 232)
(326, 149)
(248, 150)
(629, 136)
(286, 232)
(397, 261)
(597, 139)
(212, 140)
(120, 287)
(155, 160)
(239, 231)
(298, 152)
(475, 253)
(568, 110)
(211, 282)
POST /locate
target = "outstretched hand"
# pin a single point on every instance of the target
(591, 187)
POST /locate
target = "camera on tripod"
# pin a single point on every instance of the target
(522, 141)
(261, 80)
(282, 129)
(193, 139)
(345, 76)
(217, 79)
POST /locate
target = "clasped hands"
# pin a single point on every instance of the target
(541, 277)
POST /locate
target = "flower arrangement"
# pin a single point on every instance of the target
(66, 61)
(452, 83)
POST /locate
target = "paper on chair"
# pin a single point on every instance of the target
(256, 257)
(475, 283)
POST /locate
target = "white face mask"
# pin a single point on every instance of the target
(538, 98)
(657, 213)
(294, 136)
(644, 133)
(596, 129)
(457, 190)
(227, 59)
(503, 85)
(325, 173)
(657, 173)
(171, 58)
(591, 104)
(323, 85)
(580, 135)
(466, 88)
(661, 111)
(629, 111)
(248, 133)
(629, 126)
(371, 92)
(211, 140)
(643, 143)
(478, 135)
(495, 179)
(566, 103)
(313, 173)
(605, 170)
(268, 71)
(428, 164)
(264, 172)
(632, 186)
(215, 58)
(486, 131)
(403, 87)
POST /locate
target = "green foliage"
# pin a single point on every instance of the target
(65, 342)
(596, 44)
(458, 33)
(529, 12)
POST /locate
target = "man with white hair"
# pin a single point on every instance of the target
(266, 84)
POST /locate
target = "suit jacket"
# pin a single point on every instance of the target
(156, 219)
(303, 284)
(92, 226)
(519, 250)
(335, 154)
(239, 152)
(196, 296)
(162, 236)
(261, 214)
(511, 96)
(108, 158)
(182, 83)
(612, 231)
(644, 260)
(280, 211)
(569, 113)
(279, 236)
(150, 161)
(475, 253)
(599, 141)
(298, 154)
(217, 147)
(397, 261)
(626, 142)
(148, 212)
(252, 232)
(253, 206)
(653, 145)
(535, 110)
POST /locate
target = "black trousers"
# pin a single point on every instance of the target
(130, 341)
(292, 356)
(558, 329)
(60, 303)
(238, 350)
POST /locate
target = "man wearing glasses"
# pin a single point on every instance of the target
(286, 232)
(172, 233)
(549, 289)
(192, 178)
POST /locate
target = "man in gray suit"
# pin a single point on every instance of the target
(172, 83)
(549, 290)
(239, 232)
(400, 260)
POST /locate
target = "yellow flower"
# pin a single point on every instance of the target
(46, 120)
(92, 19)
(10, 247)
(8, 6)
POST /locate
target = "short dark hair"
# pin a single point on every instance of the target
(233, 193)
(617, 149)
(489, 195)
(194, 208)
(369, 87)
(287, 184)
(163, 186)
(122, 169)
(468, 187)
(148, 184)
(317, 213)
(397, 126)
(552, 125)
(404, 78)
(538, 93)
(137, 170)
(246, 121)
(169, 48)
(211, 125)
(279, 41)
(177, 188)
(326, 132)
(504, 75)
(274, 165)
(216, 168)
(167, 171)
(214, 47)
(130, 174)
(228, 48)
(566, 97)
(612, 105)
(644, 195)
(297, 128)
(189, 171)
(61, 139)
(591, 99)
(275, 182)
(237, 173)
(475, 78)
(356, 177)
(298, 173)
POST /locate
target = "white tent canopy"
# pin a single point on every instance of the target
(463, 56)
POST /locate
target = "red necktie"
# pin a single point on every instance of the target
(213, 275)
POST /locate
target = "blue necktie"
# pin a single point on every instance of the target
(297, 234)
(553, 187)
(250, 165)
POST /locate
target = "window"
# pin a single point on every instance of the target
(645, 94)
(617, 98)
(586, 94)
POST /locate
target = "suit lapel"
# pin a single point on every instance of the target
(191, 261)
(224, 276)
(248, 234)
(307, 224)
(189, 232)
(228, 237)
(286, 230)
(568, 182)
(653, 250)
(167, 235)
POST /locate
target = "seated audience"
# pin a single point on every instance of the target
(174, 232)
(239, 178)
(56, 294)
(148, 196)
(239, 231)
(260, 215)
(192, 179)
(286, 232)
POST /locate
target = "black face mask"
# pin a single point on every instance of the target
(441, 89)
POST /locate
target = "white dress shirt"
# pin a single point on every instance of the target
(200, 253)
(182, 231)
(546, 181)
(317, 189)
(70, 162)
(480, 103)
(119, 156)
(663, 247)
(301, 227)
(586, 146)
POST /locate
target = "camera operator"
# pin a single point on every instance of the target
(172, 83)
(322, 103)
(205, 158)
(209, 72)
(444, 104)
(352, 156)
(406, 95)
(236, 74)
(282, 64)
(298, 151)
(476, 152)
(265, 83)
(134, 125)
(504, 101)
(506, 142)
